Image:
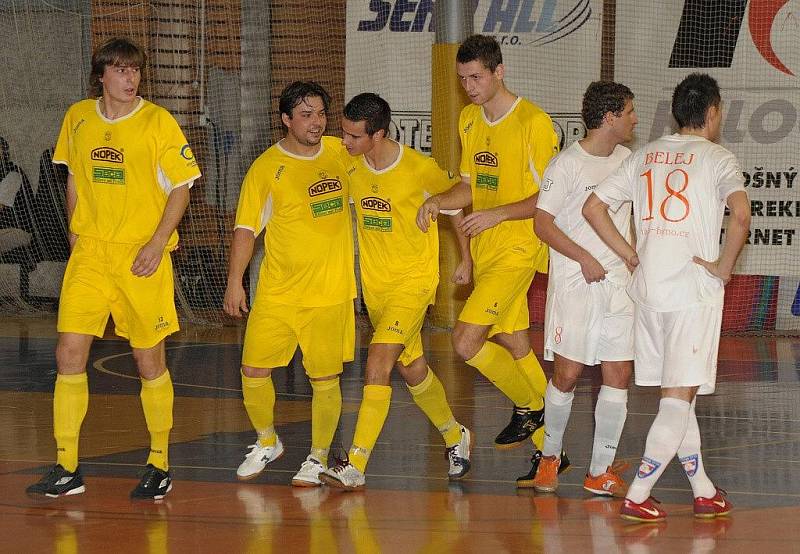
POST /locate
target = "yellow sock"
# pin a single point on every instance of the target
(326, 407)
(431, 399)
(70, 402)
(497, 365)
(157, 397)
(531, 369)
(259, 401)
(538, 438)
(371, 417)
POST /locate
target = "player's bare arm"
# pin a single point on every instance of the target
(458, 197)
(481, 220)
(235, 301)
(596, 213)
(735, 237)
(72, 201)
(149, 257)
(463, 272)
(548, 231)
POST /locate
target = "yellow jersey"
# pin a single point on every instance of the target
(302, 203)
(504, 161)
(394, 252)
(124, 169)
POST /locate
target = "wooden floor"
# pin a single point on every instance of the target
(750, 427)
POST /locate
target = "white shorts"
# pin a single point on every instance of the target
(588, 323)
(678, 349)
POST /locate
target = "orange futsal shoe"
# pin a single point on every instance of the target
(716, 506)
(546, 479)
(609, 483)
(646, 512)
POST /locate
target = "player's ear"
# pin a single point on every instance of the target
(500, 71)
(286, 119)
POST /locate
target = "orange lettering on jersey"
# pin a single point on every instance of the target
(668, 158)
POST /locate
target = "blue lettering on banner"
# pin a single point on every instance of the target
(551, 19)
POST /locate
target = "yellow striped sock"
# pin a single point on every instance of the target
(157, 398)
(371, 417)
(70, 402)
(259, 402)
(429, 395)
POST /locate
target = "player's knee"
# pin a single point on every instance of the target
(465, 346)
(255, 372)
(377, 375)
(565, 382)
(70, 358)
(415, 372)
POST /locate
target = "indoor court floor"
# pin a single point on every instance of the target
(750, 429)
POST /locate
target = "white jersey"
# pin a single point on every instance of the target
(568, 181)
(678, 185)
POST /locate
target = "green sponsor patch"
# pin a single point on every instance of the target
(382, 224)
(108, 175)
(326, 207)
(488, 182)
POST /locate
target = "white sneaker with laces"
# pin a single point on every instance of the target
(308, 474)
(257, 459)
(458, 456)
(343, 475)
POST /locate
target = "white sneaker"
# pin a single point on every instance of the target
(458, 455)
(343, 475)
(308, 475)
(258, 458)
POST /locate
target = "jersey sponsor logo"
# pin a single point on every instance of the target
(375, 223)
(377, 204)
(647, 467)
(488, 182)
(324, 187)
(108, 175)
(485, 158)
(327, 207)
(186, 152)
(689, 464)
(107, 154)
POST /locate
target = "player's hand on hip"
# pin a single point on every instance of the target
(148, 259)
(428, 212)
(593, 271)
(463, 273)
(479, 221)
(713, 269)
(235, 301)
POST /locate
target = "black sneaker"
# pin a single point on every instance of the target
(526, 481)
(58, 482)
(524, 422)
(155, 484)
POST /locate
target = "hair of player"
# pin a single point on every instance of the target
(602, 97)
(692, 98)
(372, 109)
(483, 48)
(117, 51)
(297, 92)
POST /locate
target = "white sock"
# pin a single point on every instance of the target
(692, 460)
(557, 407)
(663, 440)
(609, 419)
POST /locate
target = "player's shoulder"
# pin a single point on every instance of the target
(469, 115)
(82, 108)
(530, 111)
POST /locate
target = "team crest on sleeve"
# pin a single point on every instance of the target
(186, 153)
(647, 467)
(548, 183)
(689, 464)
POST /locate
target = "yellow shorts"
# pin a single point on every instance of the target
(326, 337)
(500, 299)
(397, 319)
(98, 282)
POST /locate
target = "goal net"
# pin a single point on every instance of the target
(219, 65)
